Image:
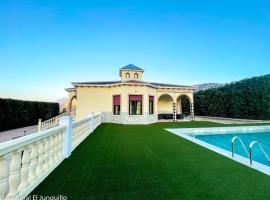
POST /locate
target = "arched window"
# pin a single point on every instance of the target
(136, 76)
(127, 75)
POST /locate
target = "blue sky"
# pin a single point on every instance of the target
(45, 45)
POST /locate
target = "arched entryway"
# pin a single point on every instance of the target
(184, 107)
(165, 107)
(72, 105)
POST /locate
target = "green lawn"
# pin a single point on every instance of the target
(147, 162)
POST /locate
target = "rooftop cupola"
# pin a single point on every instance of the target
(131, 72)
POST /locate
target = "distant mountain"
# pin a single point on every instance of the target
(61, 100)
(205, 86)
(62, 103)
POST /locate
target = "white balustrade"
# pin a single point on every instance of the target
(82, 128)
(50, 122)
(25, 162)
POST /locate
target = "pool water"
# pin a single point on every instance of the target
(224, 141)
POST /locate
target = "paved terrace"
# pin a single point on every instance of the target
(16, 133)
(147, 162)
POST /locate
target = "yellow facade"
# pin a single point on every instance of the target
(98, 97)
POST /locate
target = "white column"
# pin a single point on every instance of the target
(67, 135)
(192, 111)
(174, 111)
(180, 106)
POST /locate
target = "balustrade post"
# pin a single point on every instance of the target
(91, 115)
(41, 152)
(14, 177)
(39, 125)
(60, 150)
(3, 176)
(67, 135)
(58, 146)
(25, 168)
(55, 147)
(33, 163)
(52, 149)
(47, 154)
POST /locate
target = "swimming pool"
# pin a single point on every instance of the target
(224, 141)
(220, 141)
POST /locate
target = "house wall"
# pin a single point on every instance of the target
(100, 99)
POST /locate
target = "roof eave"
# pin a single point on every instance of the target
(70, 89)
(180, 87)
(128, 83)
(138, 70)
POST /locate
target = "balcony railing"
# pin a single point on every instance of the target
(50, 122)
(25, 162)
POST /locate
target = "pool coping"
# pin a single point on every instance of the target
(240, 159)
(222, 130)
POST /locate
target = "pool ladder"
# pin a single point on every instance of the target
(249, 153)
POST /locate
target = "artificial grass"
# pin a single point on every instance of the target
(147, 162)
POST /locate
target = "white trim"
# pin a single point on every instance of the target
(124, 83)
(245, 161)
(223, 130)
(70, 89)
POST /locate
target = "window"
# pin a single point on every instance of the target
(151, 105)
(127, 75)
(136, 76)
(116, 104)
(135, 104)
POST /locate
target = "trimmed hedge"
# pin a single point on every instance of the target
(18, 113)
(245, 99)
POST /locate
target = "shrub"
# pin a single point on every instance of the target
(18, 113)
(246, 99)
